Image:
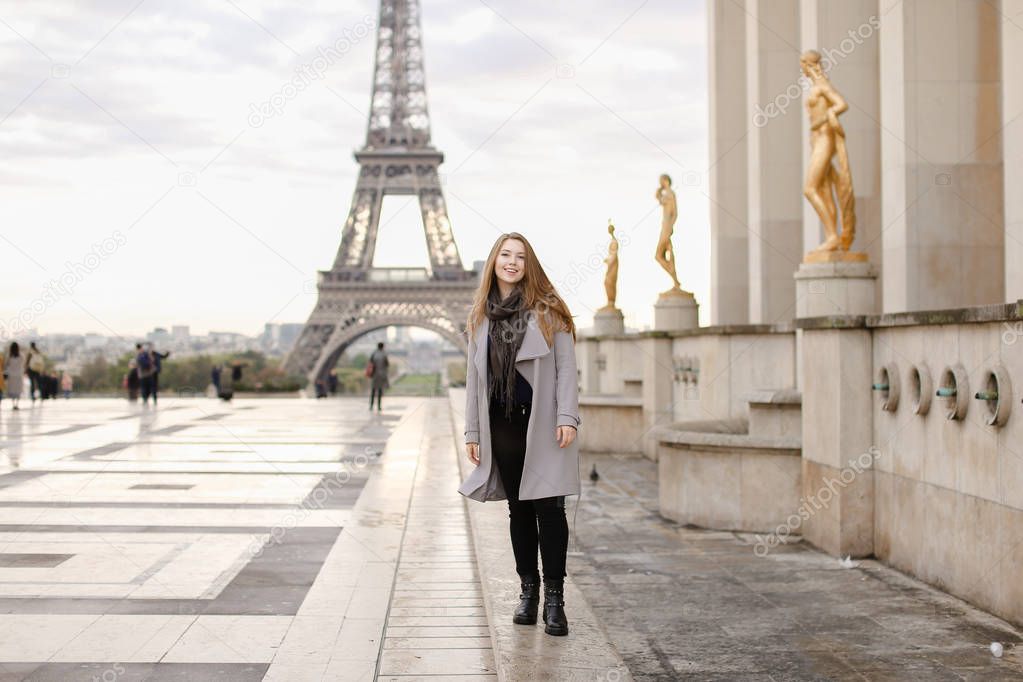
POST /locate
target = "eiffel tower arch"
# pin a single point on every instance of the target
(398, 158)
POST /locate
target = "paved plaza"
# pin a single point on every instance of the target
(266, 539)
(314, 540)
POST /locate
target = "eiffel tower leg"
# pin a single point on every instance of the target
(310, 345)
(439, 238)
(359, 233)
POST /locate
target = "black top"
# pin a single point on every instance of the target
(523, 391)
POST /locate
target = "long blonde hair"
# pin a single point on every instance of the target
(538, 293)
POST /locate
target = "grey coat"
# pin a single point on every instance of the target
(380, 367)
(549, 470)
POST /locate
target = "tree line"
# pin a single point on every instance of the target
(191, 374)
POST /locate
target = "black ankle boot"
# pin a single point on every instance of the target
(529, 600)
(555, 621)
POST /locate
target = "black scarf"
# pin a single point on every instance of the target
(508, 321)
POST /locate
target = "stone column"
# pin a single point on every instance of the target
(1012, 145)
(845, 32)
(941, 153)
(774, 169)
(729, 124)
(586, 349)
(837, 507)
(658, 375)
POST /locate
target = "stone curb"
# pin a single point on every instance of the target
(525, 652)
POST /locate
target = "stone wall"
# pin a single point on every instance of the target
(931, 484)
(948, 499)
(699, 374)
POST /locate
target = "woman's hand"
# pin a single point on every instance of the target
(564, 435)
(473, 450)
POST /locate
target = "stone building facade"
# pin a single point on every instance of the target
(874, 417)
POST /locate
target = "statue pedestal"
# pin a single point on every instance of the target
(838, 405)
(837, 283)
(676, 310)
(608, 320)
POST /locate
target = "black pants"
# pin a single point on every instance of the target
(33, 385)
(532, 522)
(146, 383)
(378, 395)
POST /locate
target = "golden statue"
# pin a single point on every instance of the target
(611, 278)
(823, 180)
(665, 253)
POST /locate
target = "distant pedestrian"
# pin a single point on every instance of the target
(158, 359)
(66, 384)
(35, 363)
(215, 377)
(145, 365)
(226, 391)
(377, 371)
(229, 380)
(131, 381)
(15, 373)
(51, 381)
(332, 381)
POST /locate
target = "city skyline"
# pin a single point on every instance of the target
(178, 202)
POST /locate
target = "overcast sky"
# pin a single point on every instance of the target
(132, 171)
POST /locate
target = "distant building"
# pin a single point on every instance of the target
(159, 337)
(277, 339)
(180, 334)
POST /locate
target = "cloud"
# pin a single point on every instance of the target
(555, 152)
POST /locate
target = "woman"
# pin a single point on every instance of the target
(521, 416)
(15, 371)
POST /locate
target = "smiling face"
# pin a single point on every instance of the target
(510, 265)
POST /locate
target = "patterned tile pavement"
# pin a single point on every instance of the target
(265, 539)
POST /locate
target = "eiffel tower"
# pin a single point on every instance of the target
(398, 158)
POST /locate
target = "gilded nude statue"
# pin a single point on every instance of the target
(611, 278)
(669, 213)
(824, 180)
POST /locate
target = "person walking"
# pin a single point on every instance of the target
(230, 378)
(145, 365)
(215, 377)
(131, 381)
(14, 371)
(522, 417)
(378, 375)
(158, 359)
(49, 383)
(35, 363)
(67, 383)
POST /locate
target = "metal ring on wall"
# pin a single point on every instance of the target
(887, 385)
(955, 390)
(997, 393)
(921, 388)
